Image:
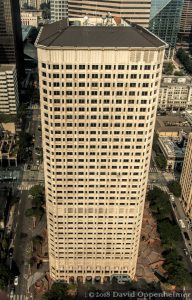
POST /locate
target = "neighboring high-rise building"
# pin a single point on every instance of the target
(175, 92)
(99, 89)
(11, 48)
(33, 3)
(186, 179)
(134, 11)
(185, 33)
(9, 98)
(165, 20)
(59, 10)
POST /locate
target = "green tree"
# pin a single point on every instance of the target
(58, 291)
(34, 212)
(37, 192)
(168, 68)
(169, 233)
(38, 239)
(161, 161)
(175, 188)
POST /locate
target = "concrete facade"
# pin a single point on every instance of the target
(175, 93)
(59, 10)
(98, 109)
(31, 18)
(9, 96)
(134, 11)
(186, 179)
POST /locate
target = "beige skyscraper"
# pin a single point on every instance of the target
(133, 10)
(186, 179)
(99, 89)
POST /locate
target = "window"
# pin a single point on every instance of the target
(108, 67)
(69, 67)
(81, 67)
(121, 67)
(134, 67)
(95, 67)
(147, 67)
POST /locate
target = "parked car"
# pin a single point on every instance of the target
(185, 251)
(11, 252)
(12, 292)
(182, 224)
(16, 280)
(186, 235)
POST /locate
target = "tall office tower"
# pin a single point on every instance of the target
(11, 48)
(9, 98)
(186, 179)
(33, 3)
(99, 89)
(185, 33)
(59, 10)
(133, 11)
(165, 20)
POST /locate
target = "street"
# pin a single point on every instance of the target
(160, 179)
(22, 227)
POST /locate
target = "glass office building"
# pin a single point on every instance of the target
(165, 19)
(11, 50)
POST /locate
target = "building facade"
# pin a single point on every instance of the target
(134, 11)
(59, 10)
(33, 3)
(11, 48)
(99, 90)
(31, 18)
(165, 20)
(186, 179)
(175, 93)
(185, 32)
(9, 98)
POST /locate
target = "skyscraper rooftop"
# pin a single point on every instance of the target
(96, 32)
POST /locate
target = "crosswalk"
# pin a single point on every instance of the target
(25, 186)
(163, 188)
(153, 170)
(18, 297)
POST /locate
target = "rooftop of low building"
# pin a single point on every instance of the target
(171, 147)
(7, 67)
(98, 32)
(172, 123)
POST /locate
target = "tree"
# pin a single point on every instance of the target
(38, 239)
(58, 291)
(169, 233)
(175, 188)
(34, 212)
(161, 161)
(168, 68)
(37, 192)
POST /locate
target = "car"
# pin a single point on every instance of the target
(186, 235)
(186, 252)
(16, 280)
(11, 252)
(172, 197)
(182, 224)
(12, 292)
